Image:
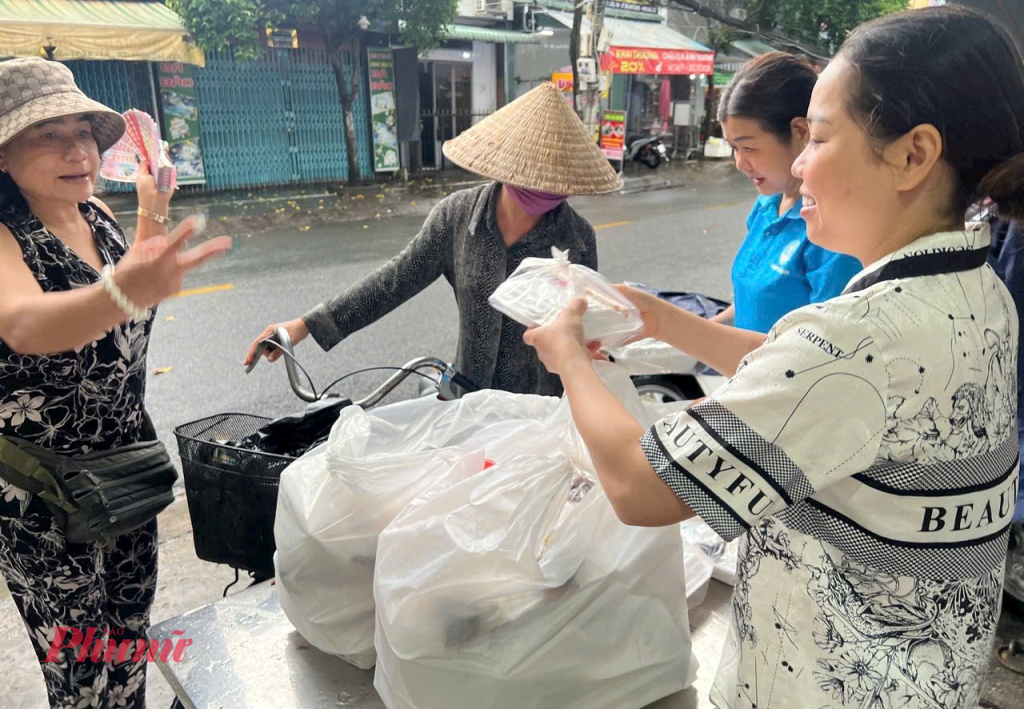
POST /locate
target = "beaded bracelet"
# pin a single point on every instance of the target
(117, 295)
(155, 216)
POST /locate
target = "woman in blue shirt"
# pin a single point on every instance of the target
(763, 115)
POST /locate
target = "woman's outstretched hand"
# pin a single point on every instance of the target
(154, 269)
(649, 306)
(297, 331)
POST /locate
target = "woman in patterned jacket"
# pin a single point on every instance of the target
(537, 152)
(73, 336)
(865, 450)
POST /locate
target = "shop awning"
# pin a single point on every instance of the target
(95, 29)
(752, 47)
(648, 48)
(489, 34)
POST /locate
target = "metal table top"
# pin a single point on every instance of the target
(246, 654)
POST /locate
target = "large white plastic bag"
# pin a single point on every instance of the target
(698, 565)
(618, 382)
(724, 555)
(540, 288)
(501, 592)
(335, 500)
(520, 588)
(699, 569)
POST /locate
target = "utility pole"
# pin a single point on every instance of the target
(588, 66)
(574, 55)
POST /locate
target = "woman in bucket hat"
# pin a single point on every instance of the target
(75, 320)
(537, 152)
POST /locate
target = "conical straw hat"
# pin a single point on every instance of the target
(536, 142)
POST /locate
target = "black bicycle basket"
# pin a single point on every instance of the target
(231, 491)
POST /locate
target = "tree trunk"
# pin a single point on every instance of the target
(574, 54)
(348, 90)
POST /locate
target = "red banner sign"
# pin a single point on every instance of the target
(634, 60)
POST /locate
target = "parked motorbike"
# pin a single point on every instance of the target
(646, 149)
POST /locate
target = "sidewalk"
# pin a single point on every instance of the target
(238, 212)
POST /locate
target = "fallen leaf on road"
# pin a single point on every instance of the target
(169, 318)
(162, 370)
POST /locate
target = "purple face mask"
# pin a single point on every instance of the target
(534, 202)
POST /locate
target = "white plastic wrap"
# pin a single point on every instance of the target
(724, 555)
(335, 500)
(650, 356)
(540, 288)
(519, 588)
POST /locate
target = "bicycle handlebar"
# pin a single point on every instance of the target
(283, 341)
(447, 372)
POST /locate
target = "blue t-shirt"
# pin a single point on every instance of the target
(778, 270)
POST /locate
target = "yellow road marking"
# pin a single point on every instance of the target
(610, 225)
(204, 291)
(725, 205)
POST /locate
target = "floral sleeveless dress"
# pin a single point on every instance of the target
(89, 399)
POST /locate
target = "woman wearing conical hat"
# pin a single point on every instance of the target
(537, 153)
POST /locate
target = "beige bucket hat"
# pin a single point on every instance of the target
(34, 90)
(536, 142)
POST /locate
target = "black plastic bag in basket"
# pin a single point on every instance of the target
(294, 434)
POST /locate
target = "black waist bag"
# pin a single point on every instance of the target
(97, 495)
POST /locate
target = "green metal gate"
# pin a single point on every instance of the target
(272, 121)
(120, 85)
(276, 120)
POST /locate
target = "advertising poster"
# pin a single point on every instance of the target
(562, 80)
(180, 108)
(613, 134)
(384, 117)
(635, 60)
(649, 7)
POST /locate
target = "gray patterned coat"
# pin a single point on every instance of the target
(460, 240)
